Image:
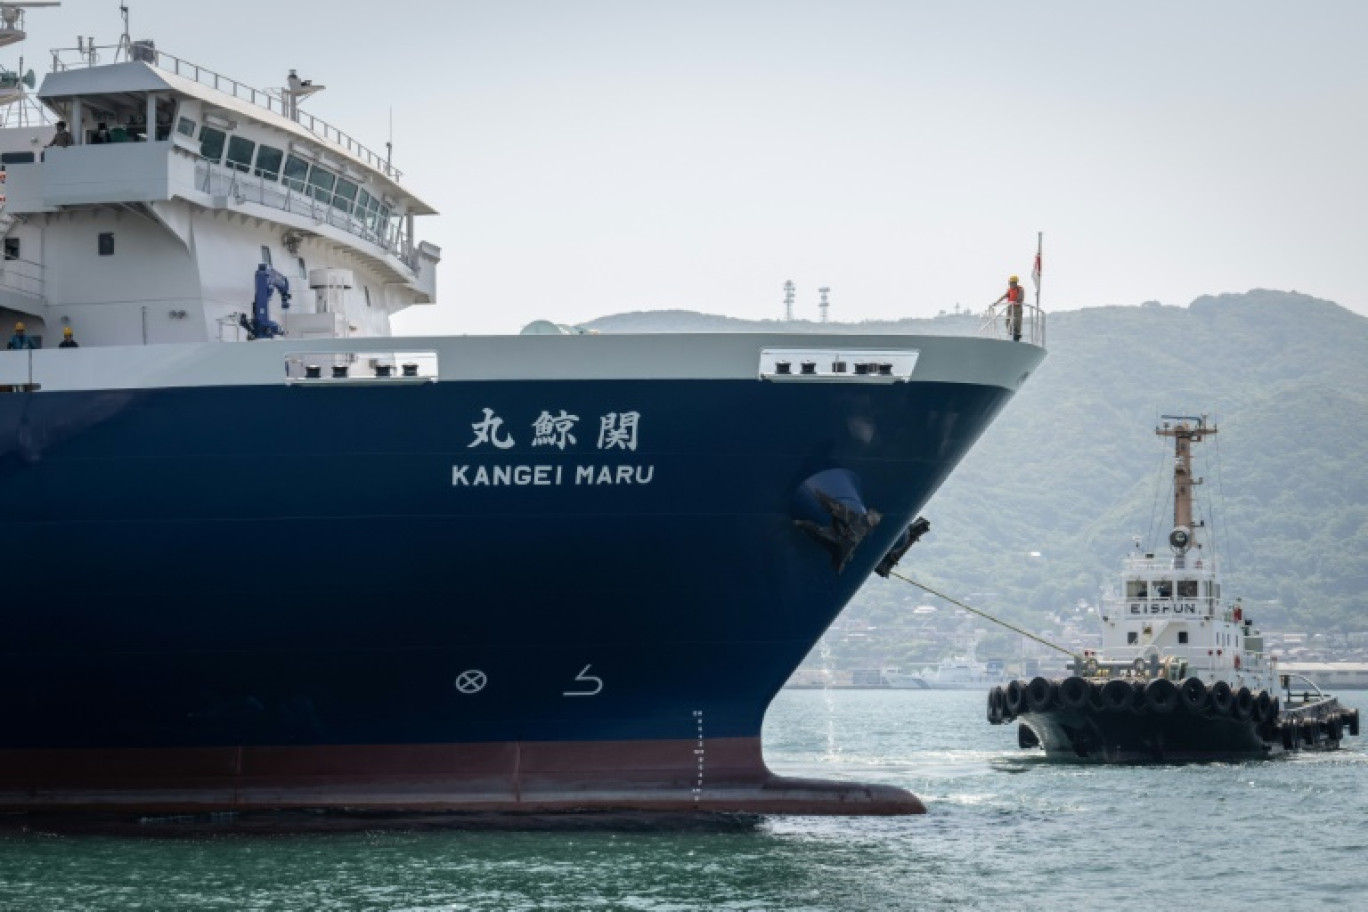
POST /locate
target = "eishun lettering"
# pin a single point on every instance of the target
(1163, 608)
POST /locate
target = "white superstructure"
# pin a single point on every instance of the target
(153, 234)
(1170, 616)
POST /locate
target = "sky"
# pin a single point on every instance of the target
(592, 157)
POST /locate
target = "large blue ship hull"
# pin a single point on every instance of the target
(299, 569)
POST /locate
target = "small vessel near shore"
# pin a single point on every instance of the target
(954, 672)
(1182, 672)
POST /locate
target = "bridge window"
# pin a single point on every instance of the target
(296, 172)
(211, 143)
(1136, 589)
(367, 207)
(106, 243)
(1182, 638)
(345, 195)
(11, 248)
(1132, 637)
(1187, 588)
(268, 161)
(240, 153)
(186, 127)
(383, 226)
(321, 180)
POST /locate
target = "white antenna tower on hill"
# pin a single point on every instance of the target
(825, 304)
(788, 300)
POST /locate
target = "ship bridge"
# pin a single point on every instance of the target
(236, 176)
(178, 129)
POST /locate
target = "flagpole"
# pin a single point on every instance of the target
(1040, 246)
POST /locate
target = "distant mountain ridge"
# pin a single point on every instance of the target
(1072, 469)
(673, 321)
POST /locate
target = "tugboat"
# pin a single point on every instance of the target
(1182, 673)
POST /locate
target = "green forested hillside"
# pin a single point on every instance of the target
(1072, 470)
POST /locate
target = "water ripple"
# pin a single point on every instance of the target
(1004, 831)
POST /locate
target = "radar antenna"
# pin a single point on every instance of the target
(125, 42)
(295, 89)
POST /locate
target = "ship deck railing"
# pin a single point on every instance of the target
(1121, 660)
(23, 276)
(1149, 564)
(218, 180)
(270, 99)
(997, 325)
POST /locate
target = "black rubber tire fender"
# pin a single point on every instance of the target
(1220, 699)
(1117, 695)
(1161, 696)
(1264, 710)
(1243, 707)
(1335, 724)
(1040, 694)
(1074, 693)
(1016, 698)
(1138, 705)
(1353, 722)
(996, 701)
(1193, 695)
(1095, 696)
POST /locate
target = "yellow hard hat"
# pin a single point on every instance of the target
(66, 330)
(1014, 280)
(18, 327)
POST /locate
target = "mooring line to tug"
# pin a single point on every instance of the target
(983, 614)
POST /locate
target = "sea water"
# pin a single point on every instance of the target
(1005, 830)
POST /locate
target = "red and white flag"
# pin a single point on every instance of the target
(1035, 273)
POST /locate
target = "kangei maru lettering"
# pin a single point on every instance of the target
(523, 475)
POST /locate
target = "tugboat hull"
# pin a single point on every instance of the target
(1101, 726)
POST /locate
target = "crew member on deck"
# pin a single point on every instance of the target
(1015, 296)
(19, 341)
(68, 338)
(62, 137)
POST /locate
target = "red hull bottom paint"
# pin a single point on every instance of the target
(723, 775)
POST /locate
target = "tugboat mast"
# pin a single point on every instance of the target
(1185, 431)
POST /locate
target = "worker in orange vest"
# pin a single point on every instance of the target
(1015, 295)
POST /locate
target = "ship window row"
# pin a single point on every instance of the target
(1162, 589)
(1133, 637)
(317, 181)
